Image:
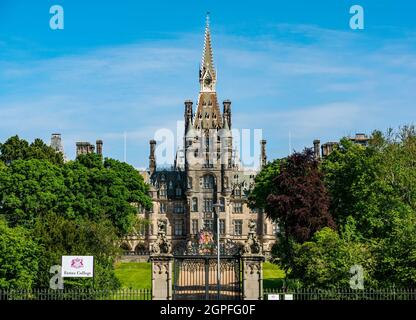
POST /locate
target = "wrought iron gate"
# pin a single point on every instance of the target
(195, 278)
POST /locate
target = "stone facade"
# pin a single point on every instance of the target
(206, 172)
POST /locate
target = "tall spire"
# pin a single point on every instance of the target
(208, 115)
(207, 74)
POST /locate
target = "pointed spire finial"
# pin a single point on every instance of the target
(207, 73)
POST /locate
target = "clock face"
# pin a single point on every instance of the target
(207, 81)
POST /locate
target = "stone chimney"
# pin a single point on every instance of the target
(99, 146)
(227, 111)
(316, 149)
(152, 158)
(84, 148)
(263, 159)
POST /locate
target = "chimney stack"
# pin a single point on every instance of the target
(84, 148)
(263, 160)
(316, 149)
(99, 146)
(188, 114)
(152, 159)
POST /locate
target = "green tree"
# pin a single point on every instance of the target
(264, 184)
(34, 188)
(31, 188)
(59, 236)
(39, 150)
(375, 187)
(325, 261)
(397, 253)
(19, 256)
(109, 189)
(354, 178)
(19, 149)
(14, 148)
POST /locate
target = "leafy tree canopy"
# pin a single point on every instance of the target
(299, 200)
(15, 148)
(19, 256)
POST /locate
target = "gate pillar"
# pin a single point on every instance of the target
(252, 277)
(162, 276)
(161, 259)
(252, 259)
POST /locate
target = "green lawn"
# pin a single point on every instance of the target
(272, 276)
(137, 275)
(134, 275)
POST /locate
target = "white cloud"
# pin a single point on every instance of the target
(330, 85)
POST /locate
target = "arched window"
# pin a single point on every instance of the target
(194, 204)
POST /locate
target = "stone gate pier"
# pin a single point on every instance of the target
(252, 259)
(162, 259)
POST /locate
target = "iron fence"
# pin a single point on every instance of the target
(76, 294)
(341, 294)
(146, 294)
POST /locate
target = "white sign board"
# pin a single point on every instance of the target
(288, 296)
(77, 266)
(273, 297)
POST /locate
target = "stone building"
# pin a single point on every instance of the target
(206, 172)
(87, 147)
(328, 147)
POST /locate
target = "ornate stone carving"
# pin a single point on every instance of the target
(162, 245)
(253, 267)
(161, 267)
(252, 244)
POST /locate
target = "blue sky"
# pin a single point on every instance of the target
(127, 66)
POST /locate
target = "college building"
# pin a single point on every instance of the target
(206, 178)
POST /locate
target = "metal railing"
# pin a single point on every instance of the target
(146, 294)
(76, 294)
(342, 294)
